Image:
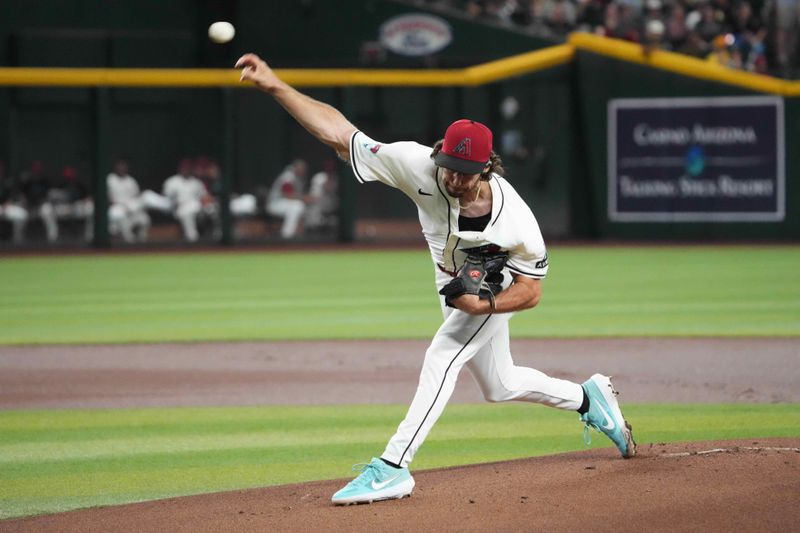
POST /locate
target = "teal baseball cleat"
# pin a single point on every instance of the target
(377, 481)
(605, 416)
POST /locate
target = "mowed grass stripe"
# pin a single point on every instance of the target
(227, 303)
(590, 291)
(59, 460)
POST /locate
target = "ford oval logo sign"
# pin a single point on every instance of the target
(415, 35)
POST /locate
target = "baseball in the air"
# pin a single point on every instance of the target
(221, 32)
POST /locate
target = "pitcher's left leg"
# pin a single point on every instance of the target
(501, 380)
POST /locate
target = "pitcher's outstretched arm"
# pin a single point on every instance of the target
(323, 121)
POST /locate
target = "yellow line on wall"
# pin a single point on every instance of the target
(477, 75)
(472, 76)
(682, 64)
(521, 64)
(121, 77)
(356, 77)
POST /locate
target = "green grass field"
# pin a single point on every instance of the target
(590, 291)
(57, 460)
(64, 459)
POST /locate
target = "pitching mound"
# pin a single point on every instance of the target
(735, 485)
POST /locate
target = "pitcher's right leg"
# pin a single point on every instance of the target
(459, 338)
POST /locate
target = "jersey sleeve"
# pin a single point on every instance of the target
(530, 263)
(529, 256)
(391, 163)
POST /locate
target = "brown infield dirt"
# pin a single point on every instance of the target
(751, 485)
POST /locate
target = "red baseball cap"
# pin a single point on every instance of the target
(467, 147)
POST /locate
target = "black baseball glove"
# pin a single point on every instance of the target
(481, 274)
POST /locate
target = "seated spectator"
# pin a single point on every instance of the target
(675, 28)
(755, 40)
(709, 26)
(210, 173)
(694, 46)
(745, 22)
(590, 14)
(286, 198)
(559, 17)
(723, 53)
(653, 35)
(619, 22)
(723, 11)
(518, 13)
(323, 200)
(12, 206)
(187, 195)
(126, 214)
(653, 12)
(35, 187)
(749, 34)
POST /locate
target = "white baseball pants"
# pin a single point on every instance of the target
(481, 343)
(291, 210)
(48, 215)
(187, 213)
(18, 216)
(123, 220)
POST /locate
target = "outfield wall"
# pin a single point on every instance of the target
(559, 160)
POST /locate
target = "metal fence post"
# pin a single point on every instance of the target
(101, 165)
(228, 162)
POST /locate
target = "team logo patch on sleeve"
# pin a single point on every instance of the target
(373, 148)
(542, 263)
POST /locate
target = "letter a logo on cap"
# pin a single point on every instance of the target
(464, 147)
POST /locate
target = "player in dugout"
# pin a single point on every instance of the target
(489, 261)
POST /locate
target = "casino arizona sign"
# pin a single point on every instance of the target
(644, 135)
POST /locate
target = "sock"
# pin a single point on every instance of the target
(393, 465)
(584, 408)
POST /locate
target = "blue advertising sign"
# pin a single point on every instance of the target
(696, 159)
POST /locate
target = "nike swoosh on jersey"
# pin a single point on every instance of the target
(609, 425)
(423, 193)
(379, 486)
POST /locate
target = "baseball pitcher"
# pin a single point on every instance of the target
(488, 259)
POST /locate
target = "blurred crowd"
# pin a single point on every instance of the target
(190, 197)
(755, 35)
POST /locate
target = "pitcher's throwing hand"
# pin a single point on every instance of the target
(256, 70)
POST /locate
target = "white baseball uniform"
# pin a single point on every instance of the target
(186, 194)
(126, 209)
(283, 203)
(323, 200)
(18, 216)
(481, 343)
